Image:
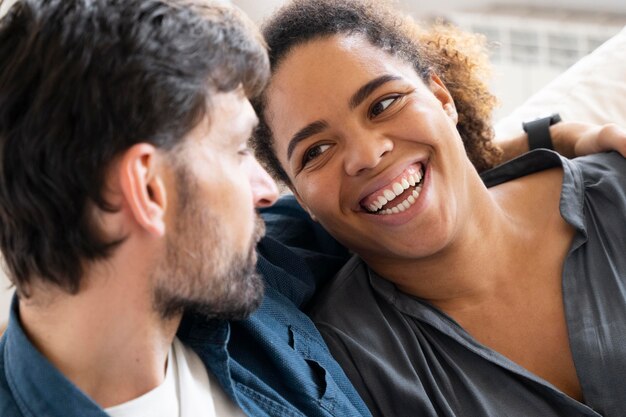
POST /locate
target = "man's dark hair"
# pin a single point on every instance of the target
(81, 81)
(458, 58)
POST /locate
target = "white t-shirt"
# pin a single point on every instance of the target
(187, 391)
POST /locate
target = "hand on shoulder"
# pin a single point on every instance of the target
(579, 138)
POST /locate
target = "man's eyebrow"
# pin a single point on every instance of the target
(251, 138)
(307, 131)
(368, 88)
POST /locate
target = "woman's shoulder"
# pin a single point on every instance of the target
(597, 181)
(606, 170)
(598, 185)
(595, 166)
(526, 164)
(598, 205)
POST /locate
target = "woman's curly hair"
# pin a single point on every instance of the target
(458, 58)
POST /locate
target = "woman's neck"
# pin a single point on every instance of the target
(491, 249)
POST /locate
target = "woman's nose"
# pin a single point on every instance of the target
(365, 153)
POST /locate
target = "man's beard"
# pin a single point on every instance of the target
(198, 272)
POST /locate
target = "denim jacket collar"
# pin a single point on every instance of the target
(37, 386)
(209, 339)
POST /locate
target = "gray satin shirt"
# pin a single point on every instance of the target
(407, 358)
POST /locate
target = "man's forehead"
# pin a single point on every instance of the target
(230, 115)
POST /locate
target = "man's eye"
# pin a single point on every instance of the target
(382, 105)
(313, 153)
(244, 151)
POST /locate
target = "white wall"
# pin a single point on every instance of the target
(5, 299)
(258, 9)
(442, 6)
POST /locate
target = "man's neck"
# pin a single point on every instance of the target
(107, 339)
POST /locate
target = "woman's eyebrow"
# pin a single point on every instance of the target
(307, 131)
(367, 89)
(357, 98)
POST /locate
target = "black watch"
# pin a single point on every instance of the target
(538, 132)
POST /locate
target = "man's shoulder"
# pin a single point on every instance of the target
(288, 223)
(297, 255)
(8, 406)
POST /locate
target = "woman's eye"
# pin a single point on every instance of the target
(382, 105)
(313, 153)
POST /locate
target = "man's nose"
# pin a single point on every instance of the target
(264, 189)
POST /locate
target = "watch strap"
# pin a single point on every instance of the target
(538, 132)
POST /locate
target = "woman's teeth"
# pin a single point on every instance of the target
(405, 204)
(397, 189)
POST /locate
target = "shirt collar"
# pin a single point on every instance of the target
(209, 339)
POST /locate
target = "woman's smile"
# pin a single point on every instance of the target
(398, 195)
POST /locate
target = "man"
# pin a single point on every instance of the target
(127, 197)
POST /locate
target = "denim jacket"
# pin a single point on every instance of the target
(275, 363)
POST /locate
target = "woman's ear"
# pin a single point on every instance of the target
(142, 185)
(443, 95)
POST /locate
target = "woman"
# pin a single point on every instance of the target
(462, 300)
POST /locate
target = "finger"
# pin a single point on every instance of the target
(612, 137)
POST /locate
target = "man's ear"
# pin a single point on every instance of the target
(304, 206)
(443, 95)
(142, 186)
